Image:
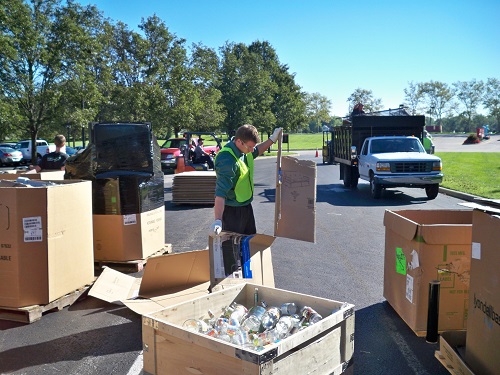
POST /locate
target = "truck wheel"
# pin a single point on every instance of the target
(375, 189)
(354, 177)
(432, 191)
(347, 176)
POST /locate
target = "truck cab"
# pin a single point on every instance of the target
(399, 161)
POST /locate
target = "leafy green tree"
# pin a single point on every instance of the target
(491, 100)
(30, 62)
(413, 97)
(208, 112)
(438, 96)
(470, 95)
(365, 97)
(318, 110)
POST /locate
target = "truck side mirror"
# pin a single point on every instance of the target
(354, 152)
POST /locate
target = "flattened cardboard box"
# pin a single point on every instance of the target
(173, 278)
(426, 245)
(45, 241)
(483, 322)
(295, 204)
(33, 175)
(129, 237)
(451, 352)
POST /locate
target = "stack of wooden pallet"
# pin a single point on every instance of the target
(194, 188)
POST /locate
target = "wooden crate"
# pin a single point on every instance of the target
(323, 348)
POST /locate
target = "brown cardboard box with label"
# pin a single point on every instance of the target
(129, 237)
(45, 241)
(426, 245)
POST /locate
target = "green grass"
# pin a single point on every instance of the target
(476, 173)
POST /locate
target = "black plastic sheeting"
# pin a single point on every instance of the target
(123, 163)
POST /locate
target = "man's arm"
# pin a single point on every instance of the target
(262, 147)
(219, 207)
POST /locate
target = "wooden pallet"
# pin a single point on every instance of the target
(30, 314)
(129, 266)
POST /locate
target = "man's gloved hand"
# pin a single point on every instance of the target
(276, 133)
(216, 227)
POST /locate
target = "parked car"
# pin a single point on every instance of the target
(9, 144)
(10, 156)
(42, 148)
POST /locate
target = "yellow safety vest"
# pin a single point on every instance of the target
(244, 186)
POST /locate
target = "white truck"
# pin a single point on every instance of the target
(385, 148)
(42, 148)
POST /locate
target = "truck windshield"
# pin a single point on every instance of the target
(381, 146)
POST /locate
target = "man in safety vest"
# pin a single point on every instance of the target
(234, 185)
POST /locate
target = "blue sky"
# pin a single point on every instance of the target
(336, 46)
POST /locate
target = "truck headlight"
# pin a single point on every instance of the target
(383, 167)
(436, 166)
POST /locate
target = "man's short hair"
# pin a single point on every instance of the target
(59, 140)
(247, 133)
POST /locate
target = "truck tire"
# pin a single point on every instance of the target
(347, 176)
(375, 189)
(432, 191)
(354, 177)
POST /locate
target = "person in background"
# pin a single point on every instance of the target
(358, 110)
(234, 166)
(53, 161)
(201, 156)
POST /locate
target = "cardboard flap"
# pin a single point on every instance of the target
(173, 273)
(261, 241)
(439, 234)
(167, 280)
(148, 306)
(295, 206)
(400, 224)
(113, 286)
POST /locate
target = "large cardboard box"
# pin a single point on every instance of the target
(483, 322)
(129, 237)
(323, 348)
(173, 278)
(45, 241)
(426, 245)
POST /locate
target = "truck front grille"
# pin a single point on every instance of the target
(411, 167)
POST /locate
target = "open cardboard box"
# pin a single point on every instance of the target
(179, 277)
(426, 245)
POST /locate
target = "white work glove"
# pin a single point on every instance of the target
(275, 135)
(216, 227)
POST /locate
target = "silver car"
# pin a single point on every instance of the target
(10, 156)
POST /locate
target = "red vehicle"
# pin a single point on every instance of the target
(177, 156)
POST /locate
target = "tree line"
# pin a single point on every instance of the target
(63, 65)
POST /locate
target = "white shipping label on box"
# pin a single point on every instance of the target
(130, 219)
(409, 288)
(476, 250)
(32, 227)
